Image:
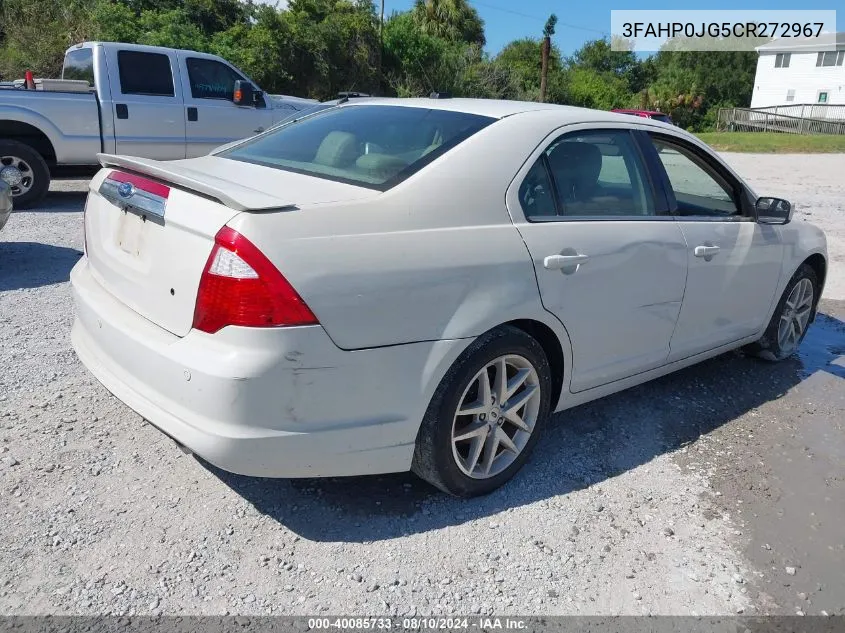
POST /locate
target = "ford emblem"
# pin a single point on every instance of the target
(126, 190)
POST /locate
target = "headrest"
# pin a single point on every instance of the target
(337, 149)
(576, 167)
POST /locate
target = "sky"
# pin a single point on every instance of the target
(584, 20)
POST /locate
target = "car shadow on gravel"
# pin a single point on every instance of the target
(32, 265)
(583, 447)
(59, 202)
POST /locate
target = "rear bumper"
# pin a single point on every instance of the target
(265, 402)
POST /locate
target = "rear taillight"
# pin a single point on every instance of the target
(240, 286)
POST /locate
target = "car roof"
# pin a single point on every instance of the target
(626, 110)
(494, 108)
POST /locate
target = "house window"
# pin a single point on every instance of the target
(782, 60)
(790, 95)
(822, 97)
(827, 59)
(840, 58)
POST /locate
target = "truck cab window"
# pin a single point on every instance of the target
(79, 64)
(211, 79)
(145, 74)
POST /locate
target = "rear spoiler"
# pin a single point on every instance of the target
(234, 195)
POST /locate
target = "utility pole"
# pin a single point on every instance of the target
(380, 40)
(548, 31)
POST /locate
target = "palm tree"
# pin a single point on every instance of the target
(454, 20)
(548, 31)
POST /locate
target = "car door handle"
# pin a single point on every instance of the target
(258, 130)
(556, 262)
(193, 113)
(706, 251)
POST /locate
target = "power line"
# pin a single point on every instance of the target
(536, 17)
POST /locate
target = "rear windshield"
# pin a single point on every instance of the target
(79, 64)
(374, 146)
(661, 117)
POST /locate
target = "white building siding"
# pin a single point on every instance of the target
(772, 85)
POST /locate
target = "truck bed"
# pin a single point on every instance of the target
(71, 120)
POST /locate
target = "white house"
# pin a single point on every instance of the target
(799, 71)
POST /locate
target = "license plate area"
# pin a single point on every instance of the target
(130, 233)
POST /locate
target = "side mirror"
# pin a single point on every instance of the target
(244, 93)
(773, 211)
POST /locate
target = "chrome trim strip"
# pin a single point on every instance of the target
(143, 203)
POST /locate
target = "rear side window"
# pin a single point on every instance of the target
(537, 193)
(211, 79)
(374, 146)
(599, 173)
(79, 64)
(145, 74)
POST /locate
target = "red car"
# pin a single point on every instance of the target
(647, 114)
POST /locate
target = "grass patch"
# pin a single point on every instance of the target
(774, 143)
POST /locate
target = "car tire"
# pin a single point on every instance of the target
(31, 167)
(446, 461)
(796, 309)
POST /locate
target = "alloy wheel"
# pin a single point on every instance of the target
(496, 416)
(795, 315)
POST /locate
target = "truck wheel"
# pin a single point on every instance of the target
(25, 171)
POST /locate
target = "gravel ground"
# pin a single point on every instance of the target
(716, 490)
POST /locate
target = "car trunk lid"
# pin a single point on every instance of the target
(150, 226)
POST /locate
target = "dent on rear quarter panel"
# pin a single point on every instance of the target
(436, 257)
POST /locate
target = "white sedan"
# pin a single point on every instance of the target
(5, 202)
(393, 285)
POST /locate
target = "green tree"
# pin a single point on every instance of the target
(523, 58)
(334, 46)
(598, 57)
(263, 50)
(36, 34)
(454, 20)
(589, 88)
(689, 84)
(415, 62)
(209, 16)
(116, 22)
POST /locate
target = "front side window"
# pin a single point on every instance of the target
(79, 64)
(145, 74)
(599, 173)
(374, 146)
(211, 79)
(698, 189)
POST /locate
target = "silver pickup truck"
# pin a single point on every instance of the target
(146, 101)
